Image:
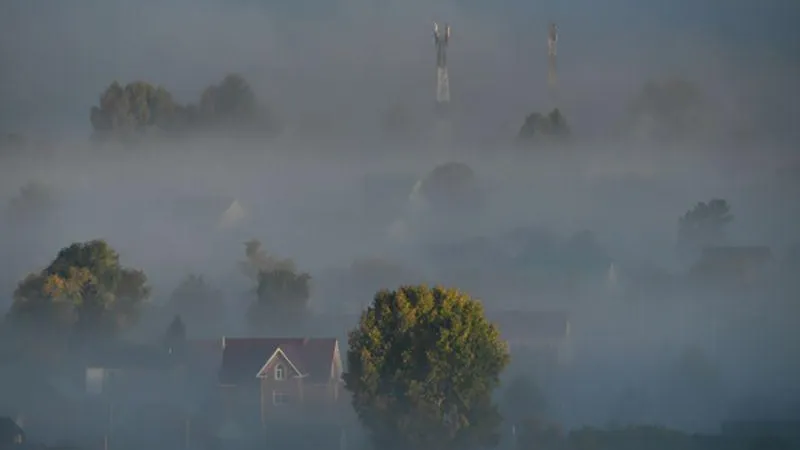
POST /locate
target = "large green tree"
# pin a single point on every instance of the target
(422, 365)
(84, 289)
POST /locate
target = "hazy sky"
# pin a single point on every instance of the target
(323, 56)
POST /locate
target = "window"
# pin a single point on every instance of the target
(280, 398)
(280, 372)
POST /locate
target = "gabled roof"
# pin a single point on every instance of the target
(244, 358)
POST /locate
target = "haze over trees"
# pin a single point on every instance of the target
(539, 128)
(702, 226)
(139, 108)
(83, 292)
(422, 365)
(281, 293)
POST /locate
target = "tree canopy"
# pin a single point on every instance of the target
(282, 292)
(84, 289)
(539, 127)
(422, 365)
(703, 225)
(140, 107)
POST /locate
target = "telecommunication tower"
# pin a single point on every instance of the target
(552, 40)
(441, 39)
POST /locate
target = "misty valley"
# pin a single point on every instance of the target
(398, 226)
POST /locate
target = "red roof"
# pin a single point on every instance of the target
(242, 358)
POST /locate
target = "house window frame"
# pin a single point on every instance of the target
(280, 398)
(279, 372)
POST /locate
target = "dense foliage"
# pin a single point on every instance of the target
(138, 108)
(422, 366)
(84, 289)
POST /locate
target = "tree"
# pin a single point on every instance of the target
(198, 301)
(703, 225)
(133, 109)
(233, 98)
(538, 127)
(282, 297)
(258, 260)
(84, 289)
(422, 365)
(282, 292)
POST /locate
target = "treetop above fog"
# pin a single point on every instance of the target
(140, 107)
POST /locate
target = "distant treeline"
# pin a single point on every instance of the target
(141, 108)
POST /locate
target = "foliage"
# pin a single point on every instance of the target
(423, 363)
(282, 292)
(233, 98)
(551, 127)
(139, 107)
(703, 225)
(197, 301)
(258, 260)
(135, 108)
(84, 289)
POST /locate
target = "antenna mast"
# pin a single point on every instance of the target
(441, 38)
(552, 74)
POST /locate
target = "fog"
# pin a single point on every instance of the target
(345, 192)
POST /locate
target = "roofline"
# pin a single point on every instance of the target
(269, 360)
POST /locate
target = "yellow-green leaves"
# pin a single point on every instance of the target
(422, 365)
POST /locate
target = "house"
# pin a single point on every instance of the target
(10, 433)
(281, 378)
(544, 336)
